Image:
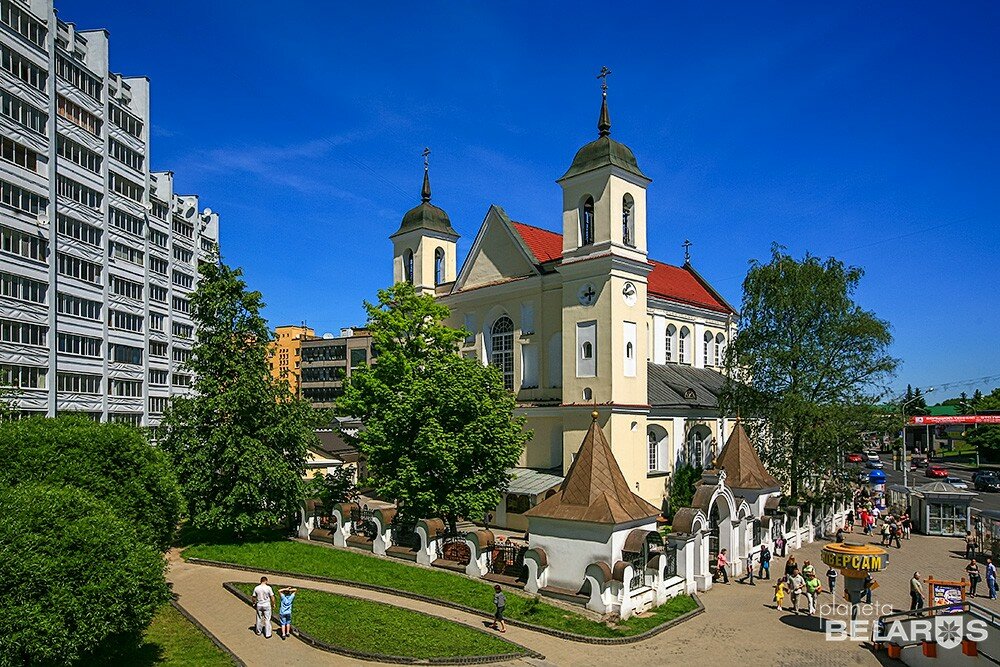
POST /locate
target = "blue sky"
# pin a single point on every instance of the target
(866, 131)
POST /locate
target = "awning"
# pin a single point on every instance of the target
(532, 482)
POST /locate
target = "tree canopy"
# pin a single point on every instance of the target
(239, 443)
(986, 437)
(439, 430)
(806, 367)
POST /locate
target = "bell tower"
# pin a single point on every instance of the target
(425, 245)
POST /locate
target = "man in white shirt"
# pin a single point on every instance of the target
(263, 597)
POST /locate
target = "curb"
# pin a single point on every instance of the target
(396, 659)
(571, 636)
(208, 633)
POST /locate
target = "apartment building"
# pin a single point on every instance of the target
(98, 255)
(327, 362)
(285, 354)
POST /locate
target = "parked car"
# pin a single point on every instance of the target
(957, 482)
(987, 481)
(936, 471)
(855, 458)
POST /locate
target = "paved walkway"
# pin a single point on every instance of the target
(739, 627)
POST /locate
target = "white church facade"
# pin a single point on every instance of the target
(583, 318)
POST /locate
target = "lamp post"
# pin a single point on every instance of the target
(902, 444)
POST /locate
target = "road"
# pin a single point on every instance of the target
(983, 500)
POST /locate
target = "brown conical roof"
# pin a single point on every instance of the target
(744, 469)
(595, 489)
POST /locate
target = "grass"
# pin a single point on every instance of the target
(308, 559)
(170, 640)
(386, 630)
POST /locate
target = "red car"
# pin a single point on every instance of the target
(936, 471)
(855, 458)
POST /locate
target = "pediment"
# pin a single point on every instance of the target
(498, 254)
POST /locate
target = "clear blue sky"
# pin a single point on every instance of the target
(863, 130)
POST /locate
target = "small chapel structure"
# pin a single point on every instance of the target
(573, 312)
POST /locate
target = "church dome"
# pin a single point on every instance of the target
(604, 150)
(426, 215)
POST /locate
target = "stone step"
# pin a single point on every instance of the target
(564, 594)
(449, 565)
(402, 552)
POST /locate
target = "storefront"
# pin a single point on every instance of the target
(941, 509)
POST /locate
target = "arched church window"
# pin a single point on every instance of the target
(587, 222)
(502, 350)
(682, 345)
(706, 348)
(697, 442)
(628, 220)
(651, 448)
(629, 350)
(720, 349)
(588, 350)
(408, 266)
(671, 337)
(438, 266)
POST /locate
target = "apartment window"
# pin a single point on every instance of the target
(324, 374)
(183, 228)
(22, 68)
(125, 252)
(20, 155)
(158, 376)
(124, 321)
(79, 154)
(80, 346)
(78, 230)
(125, 354)
(321, 394)
(157, 349)
(67, 304)
(24, 333)
(359, 357)
(126, 187)
(158, 404)
(181, 380)
(157, 293)
(78, 383)
(79, 77)
(20, 111)
(22, 288)
(23, 200)
(156, 321)
(325, 353)
(127, 388)
(183, 305)
(25, 377)
(208, 245)
(29, 246)
(78, 192)
(160, 210)
(183, 330)
(129, 158)
(23, 23)
(182, 254)
(158, 238)
(79, 116)
(182, 355)
(125, 121)
(124, 287)
(158, 265)
(182, 279)
(133, 418)
(81, 269)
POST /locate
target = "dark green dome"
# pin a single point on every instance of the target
(426, 215)
(604, 150)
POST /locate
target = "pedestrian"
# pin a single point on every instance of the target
(972, 569)
(263, 598)
(808, 569)
(813, 589)
(831, 578)
(720, 567)
(840, 534)
(907, 526)
(749, 575)
(897, 531)
(779, 546)
(885, 534)
(796, 584)
(916, 592)
(780, 591)
(864, 522)
(970, 545)
(867, 587)
(285, 597)
(791, 566)
(765, 563)
(850, 520)
(991, 577)
(500, 602)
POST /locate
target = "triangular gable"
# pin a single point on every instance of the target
(744, 469)
(498, 254)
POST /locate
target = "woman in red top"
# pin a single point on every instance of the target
(720, 562)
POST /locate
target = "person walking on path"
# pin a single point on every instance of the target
(885, 534)
(500, 603)
(796, 584)
(850, 521)
(765, 563)
(791, 566)
(970, 545)
(780, 591)
(868, 587)
(916, 592)
(808, 569)
(991, 578)
(779, 546)
(285, 597)
(813, 589)
(831, 578)
(263, 598)
(720, 567)
(972, 569)
(748, 578)
(896, 533)
(907, 526)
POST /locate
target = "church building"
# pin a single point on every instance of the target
(583, 318)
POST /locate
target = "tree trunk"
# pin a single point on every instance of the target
(794, 465)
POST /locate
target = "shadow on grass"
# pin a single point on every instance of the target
(131, 650)
(188, 536)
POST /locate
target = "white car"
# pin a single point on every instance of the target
(957, 482)
(872, 456)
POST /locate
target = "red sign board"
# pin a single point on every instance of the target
(958, 419)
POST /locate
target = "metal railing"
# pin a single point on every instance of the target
(363, 523)
(506, 558)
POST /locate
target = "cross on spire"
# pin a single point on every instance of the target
(687, 251)
(604, 122)
(425, 191)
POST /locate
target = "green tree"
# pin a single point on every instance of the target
(986, 437)
(239, 444)
(74, 574)
(806, 367)
(439, 430)
(682, 485)
(113, 462)
(332, 488)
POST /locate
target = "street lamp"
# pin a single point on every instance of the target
(902, 444)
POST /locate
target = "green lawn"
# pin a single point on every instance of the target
(386, 630)
(288, 556)
(170, 640)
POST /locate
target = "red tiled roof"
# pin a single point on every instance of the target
(670, 282)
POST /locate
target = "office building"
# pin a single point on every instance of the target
(327, 363)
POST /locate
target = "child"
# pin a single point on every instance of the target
(500, 602)
(780, 591)
(831, 578)
(287, 595)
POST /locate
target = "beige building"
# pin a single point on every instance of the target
(327, 364)
(581, 318)
(285, 355)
